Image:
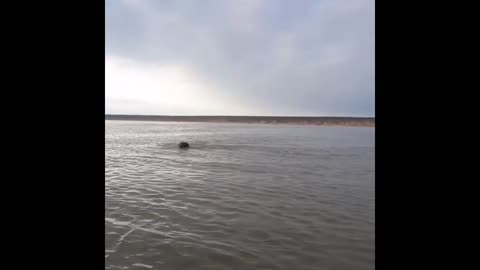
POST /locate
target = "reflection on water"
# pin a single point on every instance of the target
(244, 196)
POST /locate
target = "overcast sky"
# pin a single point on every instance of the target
(240, 57)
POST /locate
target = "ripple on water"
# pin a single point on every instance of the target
(245, 197)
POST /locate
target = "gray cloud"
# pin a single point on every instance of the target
(271, 56)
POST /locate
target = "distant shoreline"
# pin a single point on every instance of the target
(291, 120)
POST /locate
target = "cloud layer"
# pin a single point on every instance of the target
(268, 57)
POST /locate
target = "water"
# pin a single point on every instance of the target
(245, 196)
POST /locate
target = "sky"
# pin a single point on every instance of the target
(240, 57)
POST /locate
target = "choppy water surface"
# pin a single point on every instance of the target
(245, 196)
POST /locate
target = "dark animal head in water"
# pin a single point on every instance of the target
(183, 145)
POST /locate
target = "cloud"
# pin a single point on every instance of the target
(271, 57)
(133, 87)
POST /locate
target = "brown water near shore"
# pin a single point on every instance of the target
(290, 120)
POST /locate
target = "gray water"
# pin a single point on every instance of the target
(244, 196)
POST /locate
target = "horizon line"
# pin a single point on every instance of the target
(170, 115)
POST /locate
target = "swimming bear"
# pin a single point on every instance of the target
(183, 145)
